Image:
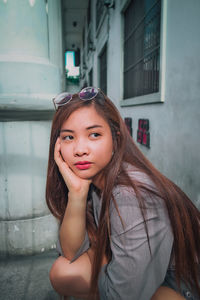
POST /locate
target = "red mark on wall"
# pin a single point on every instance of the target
(143, 135)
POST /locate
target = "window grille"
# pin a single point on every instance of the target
(141, 48)
(103, 70)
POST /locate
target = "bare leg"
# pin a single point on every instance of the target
(72, 279)
(165, 293)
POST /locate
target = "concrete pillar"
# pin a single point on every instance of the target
(31, 73)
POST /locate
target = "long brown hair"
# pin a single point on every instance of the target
(184, 216)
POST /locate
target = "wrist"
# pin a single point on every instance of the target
(77, 197)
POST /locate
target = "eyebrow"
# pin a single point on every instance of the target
(87, 128)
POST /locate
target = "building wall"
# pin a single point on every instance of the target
(175, 123)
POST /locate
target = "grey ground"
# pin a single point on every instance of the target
(26, 277)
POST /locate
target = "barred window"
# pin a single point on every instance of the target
(103, 69)
(141, 48)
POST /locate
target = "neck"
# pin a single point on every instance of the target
(98, 181)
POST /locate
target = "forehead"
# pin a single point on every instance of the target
(85, 116)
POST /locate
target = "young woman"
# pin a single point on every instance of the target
(126, 231)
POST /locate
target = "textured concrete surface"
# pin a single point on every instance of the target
(26, 277)
(31, 74)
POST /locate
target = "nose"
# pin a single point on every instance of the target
(81, 148)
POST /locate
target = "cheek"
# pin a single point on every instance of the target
(105, 151)
(110, 145)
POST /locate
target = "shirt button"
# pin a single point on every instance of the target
(188, 294)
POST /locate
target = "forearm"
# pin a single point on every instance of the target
(73, 228)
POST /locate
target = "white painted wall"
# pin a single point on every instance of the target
(174, 124)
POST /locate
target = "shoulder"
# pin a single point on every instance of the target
(126, 194)
(128, 207)
(139, 176)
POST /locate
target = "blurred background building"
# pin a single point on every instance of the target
(144, 54)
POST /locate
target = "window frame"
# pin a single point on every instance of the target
(158, 97)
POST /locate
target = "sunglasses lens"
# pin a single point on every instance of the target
(62, 99)
(88, 93)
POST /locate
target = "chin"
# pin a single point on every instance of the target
(84, 175)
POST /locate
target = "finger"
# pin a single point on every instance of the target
(57, 145)
(62, 165)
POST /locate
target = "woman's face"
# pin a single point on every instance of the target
(86, 143)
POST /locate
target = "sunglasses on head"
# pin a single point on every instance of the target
(88, 93)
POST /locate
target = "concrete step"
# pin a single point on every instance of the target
(27, 277)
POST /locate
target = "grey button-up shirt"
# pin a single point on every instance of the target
(133, 273)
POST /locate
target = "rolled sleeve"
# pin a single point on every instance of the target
(134, 273)
(83, 248)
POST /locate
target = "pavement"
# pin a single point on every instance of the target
(27, 277)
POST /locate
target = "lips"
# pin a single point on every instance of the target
(83, 165)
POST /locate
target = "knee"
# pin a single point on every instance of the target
(165, 293)
(58, 273)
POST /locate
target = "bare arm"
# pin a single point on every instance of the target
(73, 228)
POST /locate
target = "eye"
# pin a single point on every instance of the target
(67, 138)
(95, 135)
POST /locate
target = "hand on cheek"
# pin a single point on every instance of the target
(75, 184)
(57, 153)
